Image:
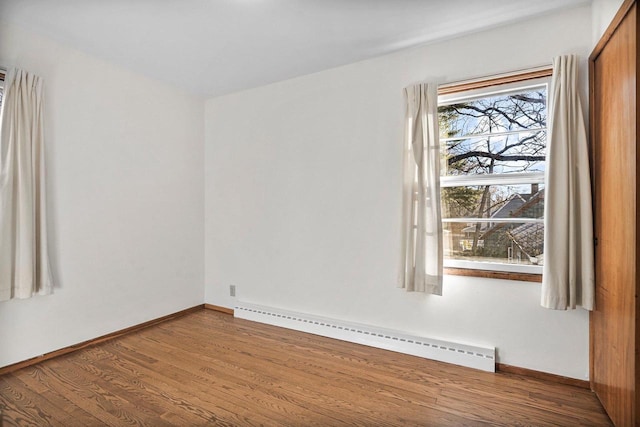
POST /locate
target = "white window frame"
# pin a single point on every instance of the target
(493, 179)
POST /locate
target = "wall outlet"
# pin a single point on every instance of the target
(232, 290)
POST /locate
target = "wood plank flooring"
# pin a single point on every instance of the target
(208, 368)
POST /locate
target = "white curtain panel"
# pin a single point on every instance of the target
(421, 244)
(568, 276)
(24, 260)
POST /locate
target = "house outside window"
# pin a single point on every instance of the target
(493, 143)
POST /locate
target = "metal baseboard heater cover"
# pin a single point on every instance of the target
(471, 356)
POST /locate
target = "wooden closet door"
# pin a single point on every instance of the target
(614, 136)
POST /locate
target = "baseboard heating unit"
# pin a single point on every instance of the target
(482, 358)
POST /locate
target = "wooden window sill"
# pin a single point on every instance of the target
(489, 274)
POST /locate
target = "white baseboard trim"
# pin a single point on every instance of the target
(471, 356)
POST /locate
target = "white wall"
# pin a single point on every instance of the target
(602, 12)
(126, 210)
(302, 199)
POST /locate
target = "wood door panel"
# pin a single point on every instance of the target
(614, 137)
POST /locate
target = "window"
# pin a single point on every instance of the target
(493, 143)
(1, 86)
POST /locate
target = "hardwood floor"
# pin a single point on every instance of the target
(207, 368)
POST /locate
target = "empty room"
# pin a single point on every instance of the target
(318, 213)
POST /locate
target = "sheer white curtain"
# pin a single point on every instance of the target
(568, 275)
(24, 260)
(421, 250)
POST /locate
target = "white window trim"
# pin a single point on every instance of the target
(492, 266)
(492, 179)
(495, 220)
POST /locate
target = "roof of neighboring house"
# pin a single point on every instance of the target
(526, 236)
(512, 206)
(507, 210)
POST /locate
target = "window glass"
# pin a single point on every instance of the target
(493, 143)
(519, 243)
(515, 152)
(493, 201)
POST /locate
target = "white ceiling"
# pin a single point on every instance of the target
(213, 47)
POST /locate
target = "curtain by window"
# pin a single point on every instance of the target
(24, 259)
(421, 243)
(568, 276)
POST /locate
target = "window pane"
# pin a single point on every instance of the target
(519, 152)
(493, 201)
(499, 113)
(520, 243)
